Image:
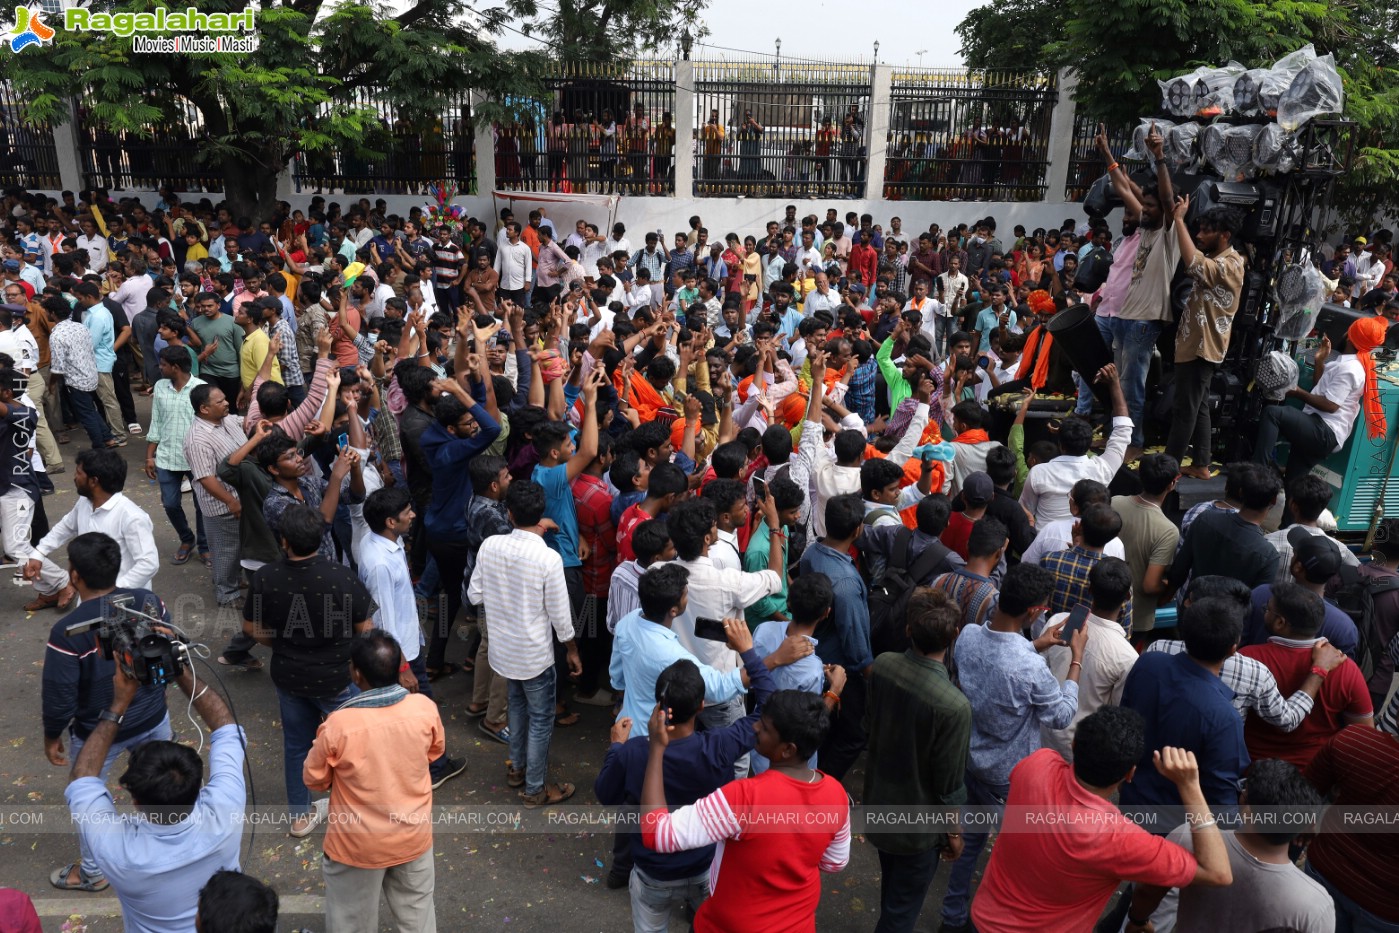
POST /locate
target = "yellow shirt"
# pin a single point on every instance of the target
(197, 253)
(255, 347)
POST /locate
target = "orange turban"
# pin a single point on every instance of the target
(1366, 334)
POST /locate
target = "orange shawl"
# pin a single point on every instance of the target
(644, 397)
(1040, 362)
(1366, 334)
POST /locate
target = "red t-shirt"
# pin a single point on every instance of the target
(593, 504)
(1343, 697)
(626, 527)
(1361, 765)
(957, 533)
(763, 877)
(1062, 852)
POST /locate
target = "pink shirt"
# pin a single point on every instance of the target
(1114, 291)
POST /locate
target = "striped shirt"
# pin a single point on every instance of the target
(171, 417)
(1254, 688)
(519, 579)
(70, 344)
(206, 444)
(976, 594)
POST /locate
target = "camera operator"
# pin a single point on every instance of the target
(77, 683)
(159, 857)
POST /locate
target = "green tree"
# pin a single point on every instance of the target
(606, 30)
(301, 91)
(1013, 35)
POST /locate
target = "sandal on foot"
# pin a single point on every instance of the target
(248, 664)
(182, 556)
(59, 878)
(437, 673)
(207, 559)
(514, 778)
(551, 794)
(472, 713)
(501, 735)
(566, 718)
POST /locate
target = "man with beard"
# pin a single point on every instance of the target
(1137, 309)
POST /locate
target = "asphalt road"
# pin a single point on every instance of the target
(547, 875)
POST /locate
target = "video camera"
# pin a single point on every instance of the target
(129, 637)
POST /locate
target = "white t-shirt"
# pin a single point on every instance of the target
(1343, 382)
(1057, 536)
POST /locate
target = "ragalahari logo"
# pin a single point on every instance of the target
(29, 29)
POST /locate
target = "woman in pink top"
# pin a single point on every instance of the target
(765, 876)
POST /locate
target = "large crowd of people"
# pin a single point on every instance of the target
(772, 496)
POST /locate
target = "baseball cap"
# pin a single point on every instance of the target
(11, 265)
(1319, 556)
(977, 489)
(1361, 240)
(857, 289)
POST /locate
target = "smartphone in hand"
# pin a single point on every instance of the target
(711, 629)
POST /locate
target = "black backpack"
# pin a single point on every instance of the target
(1356, 597)
(889, 601)
(1093, 270)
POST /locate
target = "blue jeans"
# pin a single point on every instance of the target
(1132, 343)
(1085, 388)
(158, 733)
(85, 407)
(171, 499)
(956, 904)
(301, 717)
(532, 726)
(1350, 916)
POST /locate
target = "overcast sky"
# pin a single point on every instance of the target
(831, 29)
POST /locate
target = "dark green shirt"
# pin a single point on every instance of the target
(919, 728)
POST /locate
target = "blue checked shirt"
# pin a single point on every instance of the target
(859, 396)
(1070, 568)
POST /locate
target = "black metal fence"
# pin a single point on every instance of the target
(414, 148)
(603, 128)
(781, 129)
(1085, 164)
(28, 156)
(166, 154)
(968, 135)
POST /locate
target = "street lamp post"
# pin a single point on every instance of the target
(876, 51)
(777, 62)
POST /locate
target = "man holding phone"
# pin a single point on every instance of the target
(1108, 656)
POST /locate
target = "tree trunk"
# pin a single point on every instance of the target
(250, 186)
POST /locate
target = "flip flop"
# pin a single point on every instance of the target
(566, 718)
(59, 879)
(514, 778)
(207, 559)
(476, 713)
(437, 673)
(183, 554)
(502, 736)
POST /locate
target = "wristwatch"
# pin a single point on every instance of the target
(108, 716)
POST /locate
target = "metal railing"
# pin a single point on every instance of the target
(957, 135)
(1085, 164)
(165, 155)
(781, 129)
(28, 156)
(409, 150)
(601, 128)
